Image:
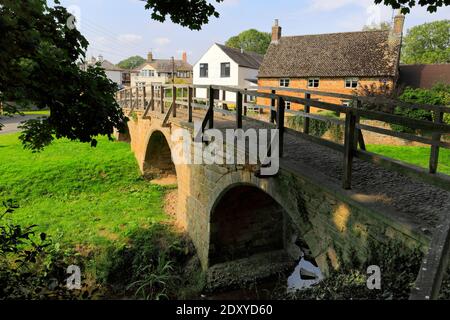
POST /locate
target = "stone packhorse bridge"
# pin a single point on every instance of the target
(327, 197)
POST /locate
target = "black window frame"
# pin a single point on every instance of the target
(205, 68)
(223, 73)
(314, 82)
(351, 81)
(286, 81)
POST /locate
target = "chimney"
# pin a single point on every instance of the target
(150, 57)
(399, 22)
(184, 57)
(100, 58)
(276, 32)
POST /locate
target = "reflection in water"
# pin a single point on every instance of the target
(304, 276)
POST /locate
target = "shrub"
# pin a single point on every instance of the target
(438, 95)
(317, 127)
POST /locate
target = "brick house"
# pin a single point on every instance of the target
(162, 71)
(336, 62)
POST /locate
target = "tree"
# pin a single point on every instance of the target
(407, 5)
(381, 26)
(40, 49)
(427, 43)
(131, 62)
(251, 40)
(187, 13)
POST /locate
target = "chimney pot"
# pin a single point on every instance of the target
(184, 56)
(276, 32)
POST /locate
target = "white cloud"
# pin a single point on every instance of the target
(129, 38)
(162, 41)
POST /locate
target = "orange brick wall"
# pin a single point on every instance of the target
(334, 85)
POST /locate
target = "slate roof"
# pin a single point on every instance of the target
(357, 54)
(244, 59)
(165, 65)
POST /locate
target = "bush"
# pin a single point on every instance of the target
(438, 95)
(317, 127)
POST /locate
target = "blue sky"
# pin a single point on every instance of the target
(120, 28)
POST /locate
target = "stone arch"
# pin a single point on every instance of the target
(245, 220)
(158, 161)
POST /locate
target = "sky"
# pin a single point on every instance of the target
(117, 29)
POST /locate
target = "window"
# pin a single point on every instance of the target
(147, 73)
(203, 70)
(351, 82)
(140, 84)
(225, 70)
(313, 83)
(287, 104)
(284, 83)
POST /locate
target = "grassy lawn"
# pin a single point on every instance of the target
(37, 112)
(418, 156)
(78, 194)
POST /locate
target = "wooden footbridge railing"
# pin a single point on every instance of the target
(166, 99)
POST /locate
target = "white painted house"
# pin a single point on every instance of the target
(222, 65)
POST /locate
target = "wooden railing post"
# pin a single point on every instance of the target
(161, 98)
(144, 97)
(190, 92)
(273, 113)
(280, 124)
(245, 102)
(174, 101)
(359, 138)
(434, 156)
(307, 110)
(239, 100)
(130, 98)
(152, 94)
(349, 148)
(211, 108)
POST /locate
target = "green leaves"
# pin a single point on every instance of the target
(407, 5)
(251, 40)
(131, 62)
(187, 13)
(427, 43)
(39, 66)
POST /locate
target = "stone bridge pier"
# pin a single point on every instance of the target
(231, 214)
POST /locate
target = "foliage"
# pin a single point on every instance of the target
(317, 127)
(385, 25)
(438, 95)
(376, 90)
(251, 40)
(131, 62)
(399, 268)
(150, 265)
(407, 5)
(32, 267)
(187, 13)
(427, 43)
(39, 66)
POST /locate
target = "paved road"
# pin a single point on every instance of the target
(11, 124)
